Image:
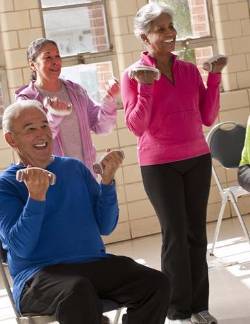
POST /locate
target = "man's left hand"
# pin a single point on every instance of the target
(110, 164)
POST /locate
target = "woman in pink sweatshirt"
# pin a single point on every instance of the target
(167, 116)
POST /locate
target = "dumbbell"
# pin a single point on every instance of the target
(20, 175)
(145, 68)
(208, 65)
(98, 168)
(47, 102)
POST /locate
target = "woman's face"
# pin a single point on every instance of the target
(48, 63)
(162, 36)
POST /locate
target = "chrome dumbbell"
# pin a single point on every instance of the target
(208, 65)
(20, 175)
(98, 168)
(144, 68)
(48, 102)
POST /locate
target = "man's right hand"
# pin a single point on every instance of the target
(37, 181)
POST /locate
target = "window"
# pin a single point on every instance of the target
(77, 26)
(195, 31)
(91, 76)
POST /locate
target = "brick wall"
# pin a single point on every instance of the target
(98, 33)
(21, 23)
(232, 24)
(199, 21)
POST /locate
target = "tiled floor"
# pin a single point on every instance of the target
(229, 272)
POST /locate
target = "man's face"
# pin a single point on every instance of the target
(31, 137)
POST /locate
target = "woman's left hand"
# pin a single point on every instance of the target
(219, 64)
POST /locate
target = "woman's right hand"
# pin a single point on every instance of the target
(144, 77)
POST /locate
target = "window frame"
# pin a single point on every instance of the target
(83, 5)
(89, 57)
(199, 42)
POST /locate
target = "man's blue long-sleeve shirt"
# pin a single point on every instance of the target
(66, 228)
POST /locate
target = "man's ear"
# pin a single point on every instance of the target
(10, 139)
(144, 38)
(32, 65)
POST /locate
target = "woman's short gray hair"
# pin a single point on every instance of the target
(147, 14)
(12, 110)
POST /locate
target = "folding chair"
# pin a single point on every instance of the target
(108, 305)
(226, 141)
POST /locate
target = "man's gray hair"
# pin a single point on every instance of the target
(147, 14)
(12, 110)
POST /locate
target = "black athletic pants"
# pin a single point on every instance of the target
(73, 291)
(179, 194)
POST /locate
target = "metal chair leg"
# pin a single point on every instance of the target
(217, 229)
(241, 220)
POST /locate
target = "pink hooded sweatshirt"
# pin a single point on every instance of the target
(167, 117)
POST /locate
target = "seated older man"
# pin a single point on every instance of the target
(51, 222)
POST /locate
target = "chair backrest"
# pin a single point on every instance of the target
(226, 141)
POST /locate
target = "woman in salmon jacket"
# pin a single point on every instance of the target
(71, 113)
(166, 104)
